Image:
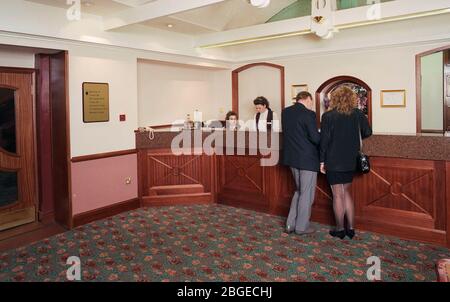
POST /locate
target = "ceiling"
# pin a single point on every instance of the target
(96, 7)
(225, 15)
(222, 23)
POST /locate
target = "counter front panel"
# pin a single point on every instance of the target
(405, 194)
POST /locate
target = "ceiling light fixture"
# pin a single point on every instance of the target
(260, 3)
(169, 25)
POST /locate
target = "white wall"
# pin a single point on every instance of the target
(96, 63)
(118, 69)
(382, 69)
(259, 81)
(14, 57)
(168, 92)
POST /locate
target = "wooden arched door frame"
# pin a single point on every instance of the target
(333, 82)
(235, 83)
(419, 88)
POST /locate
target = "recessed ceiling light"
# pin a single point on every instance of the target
(169, 25)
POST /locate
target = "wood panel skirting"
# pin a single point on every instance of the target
(105, 212)
(102, 155)
(447, 209)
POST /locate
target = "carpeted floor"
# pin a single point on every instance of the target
(214, 243)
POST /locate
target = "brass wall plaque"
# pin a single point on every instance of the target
(95, 102)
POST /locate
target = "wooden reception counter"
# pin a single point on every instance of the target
(407, 193)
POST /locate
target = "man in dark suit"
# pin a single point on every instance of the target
(301, 141)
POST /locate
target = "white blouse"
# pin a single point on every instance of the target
(262, 125)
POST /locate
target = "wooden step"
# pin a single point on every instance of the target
(176, 190)
(177, 199)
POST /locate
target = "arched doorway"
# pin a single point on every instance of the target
(363, 91)
(426, 111)
(279, 98)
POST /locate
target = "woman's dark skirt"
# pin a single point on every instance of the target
(338, 178)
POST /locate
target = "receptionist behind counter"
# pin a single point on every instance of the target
(265, 119)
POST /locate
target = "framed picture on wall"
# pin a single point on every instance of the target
(393, 98)
(296, 89)
(95, 102)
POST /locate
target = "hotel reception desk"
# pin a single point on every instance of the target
(406, 194)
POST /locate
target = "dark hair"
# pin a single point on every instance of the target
(303, 95)
(230, 114)
(261, 101)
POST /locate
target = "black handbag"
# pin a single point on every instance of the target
(363, 163)
(362, 160)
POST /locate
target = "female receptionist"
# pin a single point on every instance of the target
(231, 121)
(265, 119)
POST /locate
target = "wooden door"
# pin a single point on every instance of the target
(17, 153)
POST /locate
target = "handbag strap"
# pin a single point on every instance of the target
(360, 137)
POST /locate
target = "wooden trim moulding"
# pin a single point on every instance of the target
(105, 212)
(235, 83)
(17, 70)
(447, 207)
(103, 155)
(324, 88)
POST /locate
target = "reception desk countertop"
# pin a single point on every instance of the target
(421, 147)
(409, 147)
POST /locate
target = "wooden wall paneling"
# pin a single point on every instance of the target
(44, 138)
(400, 197)
(61, 137)
(273, 189)
(243, 182)
(172, 179)
(212, 175)
(142, 174)
(440, 195)
(105, 212)
(23, 161)
(284, 190)
(447, 208)
(323, 203)
(398, 191)
(418, 94)
(446, 90)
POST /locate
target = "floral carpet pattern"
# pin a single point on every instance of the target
(215, 243)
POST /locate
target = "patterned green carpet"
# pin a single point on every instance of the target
(214, 243)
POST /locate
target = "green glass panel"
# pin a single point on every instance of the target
(302, 8)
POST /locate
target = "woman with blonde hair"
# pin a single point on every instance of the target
(343, 128)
